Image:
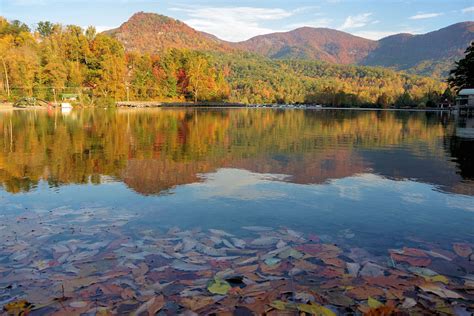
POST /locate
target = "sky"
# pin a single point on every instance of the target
(241, 20)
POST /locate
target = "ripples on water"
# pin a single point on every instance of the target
(92, 183)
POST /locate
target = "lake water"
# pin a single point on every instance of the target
(119, 210)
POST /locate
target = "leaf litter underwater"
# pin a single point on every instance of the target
(87, 261)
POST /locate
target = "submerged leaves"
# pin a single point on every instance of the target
(266, 270)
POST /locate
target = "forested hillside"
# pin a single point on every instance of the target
(55, 59)
(311, 43)
(433, 53)
(154, 33)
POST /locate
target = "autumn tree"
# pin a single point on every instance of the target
(200, 77)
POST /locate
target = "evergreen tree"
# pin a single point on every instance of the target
(462, 76)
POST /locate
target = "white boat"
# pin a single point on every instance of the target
(66, 105)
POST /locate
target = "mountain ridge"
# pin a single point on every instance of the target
(432, 53)
(152, 33)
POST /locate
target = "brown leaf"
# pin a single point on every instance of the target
(152, 306)
(197, 302)
(246, 269)
(334, 262)
(363, 292)
(414, 261)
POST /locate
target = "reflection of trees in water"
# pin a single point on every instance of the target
(154, 150)
(462, 150)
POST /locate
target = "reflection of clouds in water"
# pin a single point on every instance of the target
(239, 184)
(461, 202)
(417, 198)
(350, 188)
(349, 191)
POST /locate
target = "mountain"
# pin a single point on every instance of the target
(431, 54)
(425, 53)
(153, 33)
(311, 43)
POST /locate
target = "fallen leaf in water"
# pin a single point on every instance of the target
(239, 243)
(440, 291)
(339, 298)
(290, 253)
(371, 269)
(280, 305)
(381, 311)
(408, 303)
(184, 266)
(334, 262)
(219, 232)
(414, 261)
(196, 303)
(462, 250)
(272, 261)
(373, 303)
(152, 306)
(363, 292)
(218, 286)
(311, 249)
(437, 278)
(78, 304)
(315, 309)
(264, 241)
(352, 268)
(20, 307)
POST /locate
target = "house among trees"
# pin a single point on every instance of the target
(69, 97)
(465, 100)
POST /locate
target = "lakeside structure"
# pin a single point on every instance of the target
(465, 101)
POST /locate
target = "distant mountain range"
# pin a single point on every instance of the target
(432, 53)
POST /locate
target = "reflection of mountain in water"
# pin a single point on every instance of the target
(155, 150)
(155, 176)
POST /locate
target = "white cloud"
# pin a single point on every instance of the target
(468, 10)
(322, 22)
(356, 21)
(374, 35)
(233, 23)
(425, 16)
(102, 28)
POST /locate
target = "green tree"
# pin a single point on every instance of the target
(45, 28)
(462, 76)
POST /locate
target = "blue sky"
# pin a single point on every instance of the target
(240, 20)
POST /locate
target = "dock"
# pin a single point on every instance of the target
(157, 104)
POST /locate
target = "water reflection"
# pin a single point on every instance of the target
(116, 207)
(153, 151)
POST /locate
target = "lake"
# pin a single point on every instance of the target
(236, 210)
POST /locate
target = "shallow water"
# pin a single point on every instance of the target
(366, 180)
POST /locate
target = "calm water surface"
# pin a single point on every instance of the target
(369, 179)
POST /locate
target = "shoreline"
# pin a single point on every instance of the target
(8, 109)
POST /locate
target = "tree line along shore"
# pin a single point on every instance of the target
(54, 60)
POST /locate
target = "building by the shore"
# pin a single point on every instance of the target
(465, 100)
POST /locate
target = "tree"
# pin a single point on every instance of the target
(199, 77)
(462, 76)
(383, 100)
(404, 100)
(45, 28)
